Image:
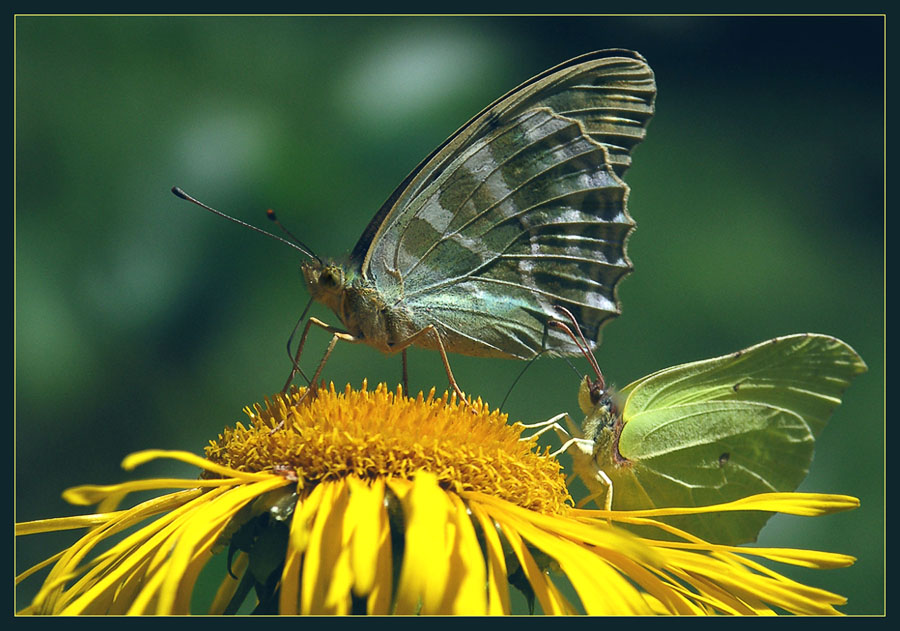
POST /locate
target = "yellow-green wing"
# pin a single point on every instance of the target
(724, 428)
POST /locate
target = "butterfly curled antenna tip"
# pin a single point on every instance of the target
(299, 245)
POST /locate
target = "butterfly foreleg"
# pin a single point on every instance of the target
(568, 437)
(582, 445)
(337, 334)
(295, 359)
(544, 426)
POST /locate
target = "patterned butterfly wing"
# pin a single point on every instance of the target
(521, 209)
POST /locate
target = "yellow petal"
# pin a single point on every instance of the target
(550, 600)
(65, 523)
(464, 593)
(298, 540)
(141, 457)
(119, 560)
(364, 518)
(602, 589)
(754, 586)
(177, 564)
(423, 574)
(327, 579)
(192, 547)
(37, 568)
(89, 494)
(498, 585)
(229, 584)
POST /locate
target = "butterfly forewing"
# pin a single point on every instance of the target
(520, 210)
(804, 373)
(611, 93)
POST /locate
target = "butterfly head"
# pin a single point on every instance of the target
(593, 393)
(601, 412)
(326, 282)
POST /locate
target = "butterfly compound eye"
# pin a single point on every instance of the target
(597, 391)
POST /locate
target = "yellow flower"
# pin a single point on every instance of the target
(371, 502)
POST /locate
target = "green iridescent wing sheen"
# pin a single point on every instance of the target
(523, 208)
(721, 429)
(544, 225)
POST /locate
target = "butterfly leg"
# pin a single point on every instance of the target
(584, 445)
(337, 333)
(412, 339)
(405, 375)
(582, 448)
(550, 423)
(601, 477)
(568, 437)
(296, 358)
(331, 344)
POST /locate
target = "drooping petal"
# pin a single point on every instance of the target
(426, 554)
(298, 539)
(498, 585)
(327, 580)
(464, 593)
(370, 544)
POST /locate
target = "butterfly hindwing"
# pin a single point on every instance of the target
(529, 217)
(714, 452)
(521, 209)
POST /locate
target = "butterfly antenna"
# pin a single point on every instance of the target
(518, 377)
(297, 246)
(274, 219)
(584, 346)
(580, 341)
(573, 367)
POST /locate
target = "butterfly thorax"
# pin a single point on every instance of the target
(362, 308)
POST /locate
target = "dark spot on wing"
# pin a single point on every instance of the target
(723, 459)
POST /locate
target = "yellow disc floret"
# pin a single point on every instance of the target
(326, 435)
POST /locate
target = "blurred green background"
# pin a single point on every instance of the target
(142, 321)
